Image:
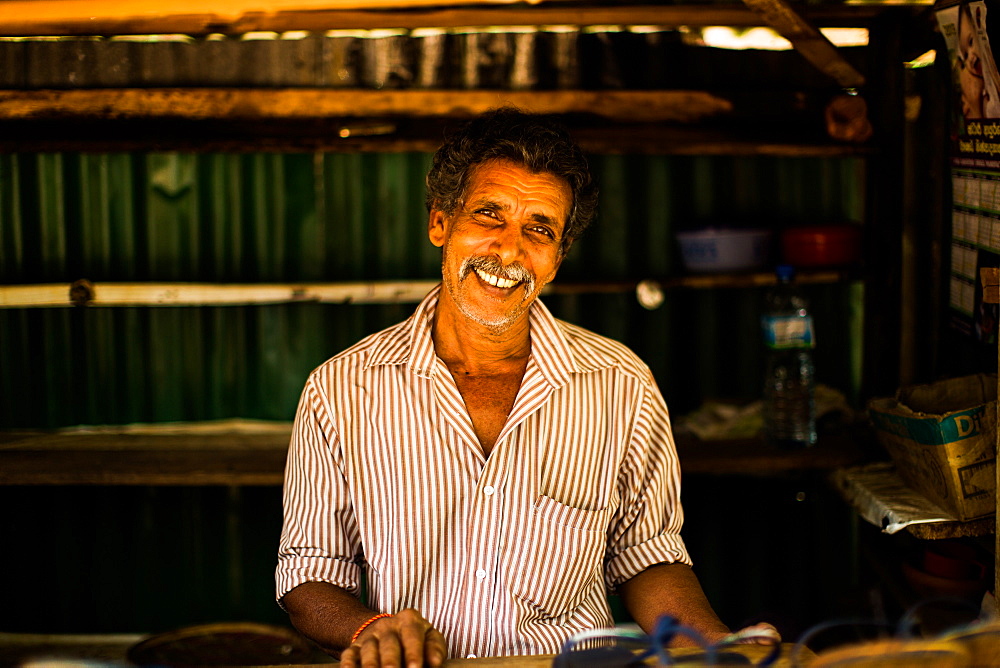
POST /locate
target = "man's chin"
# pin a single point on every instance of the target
(497, 315)
(497, 323)
(494, 324)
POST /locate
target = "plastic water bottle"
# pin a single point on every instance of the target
(789, 381)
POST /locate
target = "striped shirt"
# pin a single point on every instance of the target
(508, 554)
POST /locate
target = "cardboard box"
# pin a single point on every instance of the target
(942, 439)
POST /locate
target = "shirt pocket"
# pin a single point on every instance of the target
(561, 559)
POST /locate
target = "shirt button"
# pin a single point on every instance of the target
(488, 490)
(480, 573)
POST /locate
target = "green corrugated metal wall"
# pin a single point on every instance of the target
(330, 217)
(146, 559)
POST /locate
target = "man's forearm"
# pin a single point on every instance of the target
(671, 589)
(327, 614)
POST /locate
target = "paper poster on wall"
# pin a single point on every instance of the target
(967, 28)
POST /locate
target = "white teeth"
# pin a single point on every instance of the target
(496, 280)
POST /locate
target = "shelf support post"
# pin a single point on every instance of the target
(807, 40)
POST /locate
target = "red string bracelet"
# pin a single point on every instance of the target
(366, 624)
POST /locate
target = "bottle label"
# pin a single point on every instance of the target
(788, 331)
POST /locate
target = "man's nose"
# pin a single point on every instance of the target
(508, 243)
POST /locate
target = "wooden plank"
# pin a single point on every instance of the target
(113, 17)
(252, 453)
(231, 136)
(307, 103)
(984, 526)
(677, 122)
(85, 293)
(753, 456)
(807, 40)
(210, 454)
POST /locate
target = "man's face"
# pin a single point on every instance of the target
(502, 244)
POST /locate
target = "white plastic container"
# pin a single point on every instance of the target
(718, 250)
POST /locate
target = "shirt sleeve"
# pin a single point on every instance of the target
(645, 530)
(319, 537)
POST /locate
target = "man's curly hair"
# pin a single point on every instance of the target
(538, 142)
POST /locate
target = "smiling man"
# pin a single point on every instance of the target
(492, 471)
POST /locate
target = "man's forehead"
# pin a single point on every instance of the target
(489, 180)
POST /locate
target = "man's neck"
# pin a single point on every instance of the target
(470, 348)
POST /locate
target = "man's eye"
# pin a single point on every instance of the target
(490, 213)
(544, 231)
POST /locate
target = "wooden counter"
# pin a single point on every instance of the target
(248, 452)
(16, 647)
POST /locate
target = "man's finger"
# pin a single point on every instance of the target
(413, 634)
(389, 650)
(350, 657)
(370, 653)
(435, 648)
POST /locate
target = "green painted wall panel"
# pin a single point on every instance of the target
(158, 558)
(331, 217)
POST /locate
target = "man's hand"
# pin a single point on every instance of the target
(405, 639)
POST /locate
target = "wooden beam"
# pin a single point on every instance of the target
(222, 137)
(308, 103)
(780, 136)
(85, 293)
(807, 40)
(350, 120)
(189, 17)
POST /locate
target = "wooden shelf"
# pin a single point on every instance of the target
(759, 279)
(249, 453)
(984, 526)
(753, 456)
(402, 137)
(85, 293)
(192, 454)
(252, 104)
(685, 122)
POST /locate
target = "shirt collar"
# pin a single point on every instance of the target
(555, 349)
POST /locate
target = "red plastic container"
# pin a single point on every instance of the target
(821, 245)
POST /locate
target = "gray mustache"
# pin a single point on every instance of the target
(512, 272)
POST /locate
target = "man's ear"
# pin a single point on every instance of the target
(436, 227)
